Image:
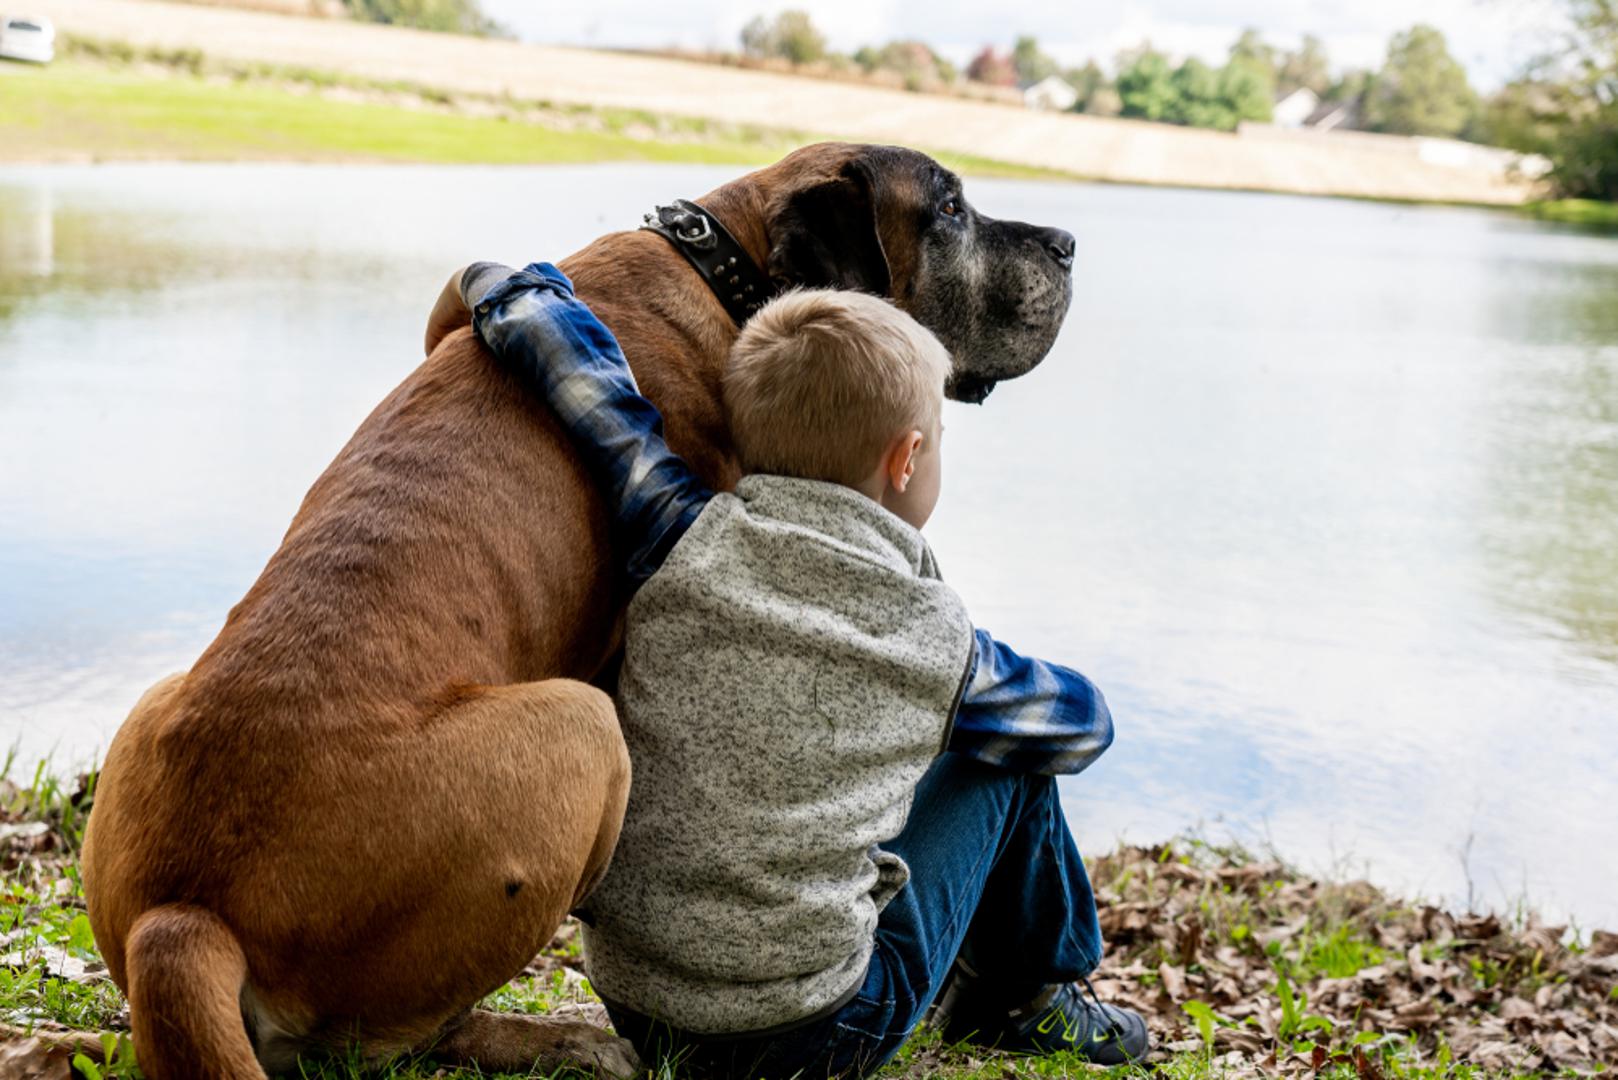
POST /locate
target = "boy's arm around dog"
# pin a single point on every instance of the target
(532, 322)
(1016, 712)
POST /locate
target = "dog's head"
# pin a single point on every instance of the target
(894, 222)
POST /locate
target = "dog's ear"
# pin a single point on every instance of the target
(825, 236)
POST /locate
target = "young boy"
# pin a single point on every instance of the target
(843, 792)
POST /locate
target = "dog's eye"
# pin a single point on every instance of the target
(951, 208)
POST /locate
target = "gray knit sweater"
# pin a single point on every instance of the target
(789, 674)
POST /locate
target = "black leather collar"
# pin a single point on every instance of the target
(708, 246)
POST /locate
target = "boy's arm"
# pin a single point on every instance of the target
(1028, 715)
(533, 324)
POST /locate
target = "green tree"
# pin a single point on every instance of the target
(1585, 152)
(449, 16)
(1197, 98)
(1585, 159)
(1422, 89)
(1247, 89)
(1032, 64)
(1251, 47)
(1351, 86)
(1527, 114)
(1305, 68)
(914, 61)
(797, 39)
(1146, 84)
(791, 35)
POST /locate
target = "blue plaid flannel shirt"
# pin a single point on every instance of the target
(1017, 712)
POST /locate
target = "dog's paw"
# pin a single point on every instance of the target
(601, 1050)
(506, 1042)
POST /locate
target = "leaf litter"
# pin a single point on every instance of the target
(1300, 973)
(1256, 969)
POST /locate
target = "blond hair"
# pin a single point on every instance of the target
(821, 382)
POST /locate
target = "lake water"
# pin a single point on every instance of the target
(1323, 494)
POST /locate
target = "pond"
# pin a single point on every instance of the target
(1323, 494)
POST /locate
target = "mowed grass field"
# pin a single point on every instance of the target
(78, 111)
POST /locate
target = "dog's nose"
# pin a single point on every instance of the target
(1060, 245)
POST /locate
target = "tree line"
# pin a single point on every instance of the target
(448, 16)
(1420, 90)
(1565, 106)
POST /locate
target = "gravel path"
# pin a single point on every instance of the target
(1115, 150)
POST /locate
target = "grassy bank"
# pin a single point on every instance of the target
(1585, 212)
(106, 101)
(82, 111)
(1243, 968)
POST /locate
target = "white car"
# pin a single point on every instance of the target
(24, 38)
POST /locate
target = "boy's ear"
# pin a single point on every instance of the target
(825, 236)
(901, 460)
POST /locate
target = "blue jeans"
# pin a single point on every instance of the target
(994, 877)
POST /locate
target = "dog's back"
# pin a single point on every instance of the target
(249, 808)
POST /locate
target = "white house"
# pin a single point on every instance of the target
(1052, 92)
(1294, 110)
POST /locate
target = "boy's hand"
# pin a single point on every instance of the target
(464, 288)
(449, 314)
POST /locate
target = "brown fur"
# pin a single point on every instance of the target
(378, 791)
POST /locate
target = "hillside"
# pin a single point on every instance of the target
(1111, 150)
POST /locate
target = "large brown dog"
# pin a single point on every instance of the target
(377, 793)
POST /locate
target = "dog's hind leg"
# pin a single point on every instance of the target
(465, 839)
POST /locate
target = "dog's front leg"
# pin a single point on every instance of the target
(507, 1042)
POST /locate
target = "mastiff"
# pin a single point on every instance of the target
(377, 793)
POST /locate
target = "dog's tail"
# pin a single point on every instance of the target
(186, 971)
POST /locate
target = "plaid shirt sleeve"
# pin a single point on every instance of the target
(540, 332)
(1029, 716)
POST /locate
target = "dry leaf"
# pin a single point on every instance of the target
(1516, 1008)
(1173, 982)
(34, 1059)
(1244, 1040)
(27, 830)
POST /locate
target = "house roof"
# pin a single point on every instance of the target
(1051, 82)
(1334, 114)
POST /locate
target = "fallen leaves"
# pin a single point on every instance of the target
(34, 1059)
(1285, 961)
(45, 1052)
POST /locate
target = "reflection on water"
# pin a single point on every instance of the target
(1554, 476)
(1323, 494)
(27, 234)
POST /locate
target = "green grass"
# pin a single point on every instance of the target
(1586, 212)
(77, 109)
(1340, 953)
(99, 105)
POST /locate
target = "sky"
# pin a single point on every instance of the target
(1493, 38)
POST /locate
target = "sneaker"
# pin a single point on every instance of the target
(1060, 1017)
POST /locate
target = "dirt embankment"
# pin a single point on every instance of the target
(1112, 150)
